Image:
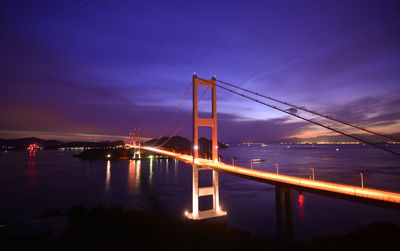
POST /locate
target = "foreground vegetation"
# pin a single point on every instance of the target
(118, 229)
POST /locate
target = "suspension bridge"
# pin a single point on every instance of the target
(283, 183)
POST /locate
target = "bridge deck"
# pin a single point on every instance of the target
(366, 195)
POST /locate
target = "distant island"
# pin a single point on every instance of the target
(22, 144)
(111, 149)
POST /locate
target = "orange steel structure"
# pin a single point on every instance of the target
(204, 122)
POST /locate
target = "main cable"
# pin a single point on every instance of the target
(305, 119)
(184, 121)
(312, 112)
(173, 116)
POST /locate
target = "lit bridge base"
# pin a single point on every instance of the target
(205, 122)
(206, 214)
(205, 191)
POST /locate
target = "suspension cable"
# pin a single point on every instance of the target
(180, 126)
(173, 116)
(312, 112)
(308, 120)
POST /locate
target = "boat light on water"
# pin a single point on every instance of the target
(257, 160)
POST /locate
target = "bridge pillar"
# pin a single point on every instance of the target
(208, 122)
(195, 188)
(136, 140)
(284, 219)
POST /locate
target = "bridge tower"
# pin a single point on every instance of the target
(135, 139)
(207, 122)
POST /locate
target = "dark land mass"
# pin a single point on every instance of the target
(185, 146)
(118, 229)
(114, 154)
(21, 144)
(343, 138)
(98, 150)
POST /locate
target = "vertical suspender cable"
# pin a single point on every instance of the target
(184, 121)
(173, 116)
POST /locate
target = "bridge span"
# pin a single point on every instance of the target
(364, 195)
(283, 183)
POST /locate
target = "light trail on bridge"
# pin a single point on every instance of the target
(299, 183)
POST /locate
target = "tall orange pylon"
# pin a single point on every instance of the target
(208, 122)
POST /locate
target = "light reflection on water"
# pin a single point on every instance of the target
(151, 171)
(138, 164)
(151, 185)
(131, 177)
(133, 180)
(107, 187)
(301, 200)
(31, 172)
(175, 169)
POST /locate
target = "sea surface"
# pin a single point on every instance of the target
(33, 183)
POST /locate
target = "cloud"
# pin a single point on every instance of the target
(235, 129)
(43, 91)
(379, 113)
(63, 136)
(370, 109)
(343, 71)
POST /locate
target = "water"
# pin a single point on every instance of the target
(33, 183)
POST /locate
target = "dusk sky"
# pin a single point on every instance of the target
(98, 69)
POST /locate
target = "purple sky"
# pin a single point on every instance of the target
(98, 69)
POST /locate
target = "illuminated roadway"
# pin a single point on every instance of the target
(353, 193)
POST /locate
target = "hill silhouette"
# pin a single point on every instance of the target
(183, 145)
(23, 143)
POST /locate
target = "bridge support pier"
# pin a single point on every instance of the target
(136, 153)
(205, 191)
(135, 139)
(284, 219)
(208, 122)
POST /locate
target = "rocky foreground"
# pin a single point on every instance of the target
(118, 229)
